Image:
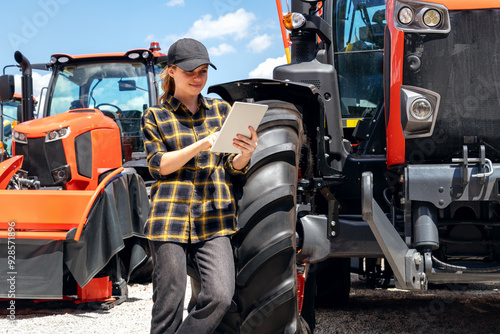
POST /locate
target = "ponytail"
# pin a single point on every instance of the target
(167, 84)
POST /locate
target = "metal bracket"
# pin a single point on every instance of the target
(428, 263)
(407, 264)
(465, 166)
(482, 161)
(333, 211)
(325, 182)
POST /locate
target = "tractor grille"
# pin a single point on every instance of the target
(41, 158)
(464, 68)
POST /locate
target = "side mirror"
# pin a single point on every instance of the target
(6, 88)
(124, 85)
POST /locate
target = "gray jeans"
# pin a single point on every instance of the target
(214, 259)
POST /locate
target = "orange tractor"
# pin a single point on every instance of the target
(73, 198)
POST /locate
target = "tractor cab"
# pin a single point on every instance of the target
(120, 85)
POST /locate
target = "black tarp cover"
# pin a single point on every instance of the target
(114, 225)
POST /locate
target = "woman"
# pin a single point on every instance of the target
(193, 210)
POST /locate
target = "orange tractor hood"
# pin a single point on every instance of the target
(92, 118)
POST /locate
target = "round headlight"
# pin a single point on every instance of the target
(62, 132)
(405, 15)
(421, 109)
(432, 18)
(52, 135)
(22, 136)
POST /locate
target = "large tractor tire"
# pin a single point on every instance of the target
(266, 276)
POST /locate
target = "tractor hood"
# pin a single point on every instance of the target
(84, 119)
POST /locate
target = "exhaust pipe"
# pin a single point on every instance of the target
(26, 86)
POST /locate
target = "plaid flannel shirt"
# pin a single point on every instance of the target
(196, 202)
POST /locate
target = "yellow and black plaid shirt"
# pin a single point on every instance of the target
(196, 202)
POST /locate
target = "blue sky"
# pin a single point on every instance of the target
(243, 37)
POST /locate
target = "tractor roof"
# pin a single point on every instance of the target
(134, 54)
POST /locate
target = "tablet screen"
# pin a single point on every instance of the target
(240, 117)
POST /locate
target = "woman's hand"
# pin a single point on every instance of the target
(247, 146)
(172, 161)
(209, 141)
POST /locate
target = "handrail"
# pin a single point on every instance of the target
(286, 41)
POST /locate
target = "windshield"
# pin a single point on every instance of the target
(114, 86)
(119, 90)
(360, 25)
(359, 46)
(9, 110)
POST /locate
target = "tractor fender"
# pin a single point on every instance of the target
(303, 96)
(8, 168)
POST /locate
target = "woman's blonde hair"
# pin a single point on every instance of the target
(167, 83)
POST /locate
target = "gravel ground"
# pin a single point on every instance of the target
(443, 309)
(449, 309)
(132, 316)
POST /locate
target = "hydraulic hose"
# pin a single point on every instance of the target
(466, 269)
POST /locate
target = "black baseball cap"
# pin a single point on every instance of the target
(188, 54)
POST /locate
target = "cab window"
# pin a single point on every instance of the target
(119, 90)
(360, 26)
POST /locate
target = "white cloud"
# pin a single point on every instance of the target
(265, 69)
(235, 24)
(39, 82)
(222, 49)
(169, 40)
(150, 38)
(259, 43)
(173, 3)
(131, 104)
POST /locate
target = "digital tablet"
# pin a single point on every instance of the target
(240, 117)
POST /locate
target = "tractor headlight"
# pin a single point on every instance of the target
(133, 55)
(57, 134)
(415, 16)
(19, 137)
(421, 109)
(405, 15)
(432, 18)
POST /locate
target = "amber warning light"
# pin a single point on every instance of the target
(155, 46)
